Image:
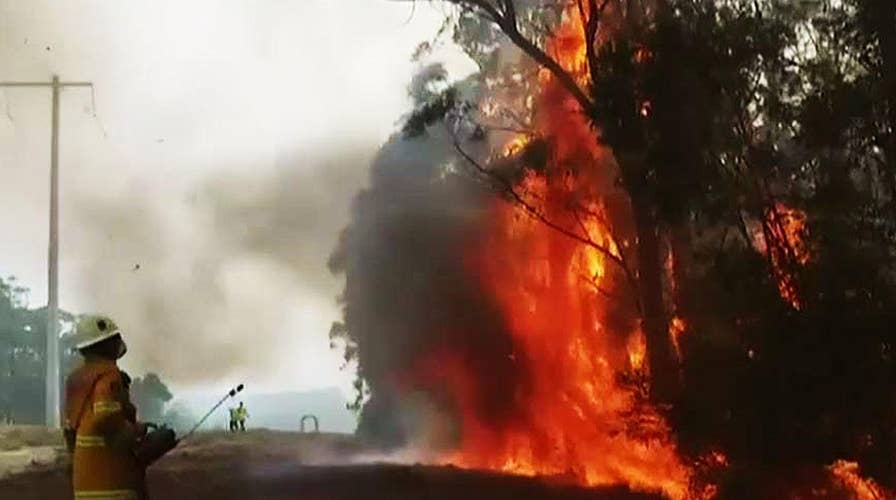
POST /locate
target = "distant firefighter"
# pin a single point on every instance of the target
(242, 413)
(234, 419)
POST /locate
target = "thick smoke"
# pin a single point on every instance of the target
(206, 282)
(410, 296)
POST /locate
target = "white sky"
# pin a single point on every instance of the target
(187, 91)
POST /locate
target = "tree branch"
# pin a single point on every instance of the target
(483, 5)
(590, 26)
(507, 22)
(629, 275)
(590, 281)
(510, 10)
(508, 188)
(508, 128)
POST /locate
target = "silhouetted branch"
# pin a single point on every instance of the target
(508, 23)
(508, 188)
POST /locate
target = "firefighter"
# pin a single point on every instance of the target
(242, 413)
(233, 419)
(101, 428)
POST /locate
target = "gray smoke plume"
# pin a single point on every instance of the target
(204, 282)
(409, 294)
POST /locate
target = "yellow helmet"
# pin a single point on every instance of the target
(93, 329)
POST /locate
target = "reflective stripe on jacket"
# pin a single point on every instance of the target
(103, 462)
(107, 495)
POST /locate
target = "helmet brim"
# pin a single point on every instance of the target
(97, 340)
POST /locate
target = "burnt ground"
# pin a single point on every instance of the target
(275, 465)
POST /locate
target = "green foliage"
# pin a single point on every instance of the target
(23, 366)
(22, 354)
(429, 113)
(149, 394)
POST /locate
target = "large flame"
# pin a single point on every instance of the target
(573, 416)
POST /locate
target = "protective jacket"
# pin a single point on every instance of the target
(102, 433)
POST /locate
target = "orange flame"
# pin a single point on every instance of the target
(573, 418)
(847, 474)
(677, 327)
(787, 229)
(516, 145)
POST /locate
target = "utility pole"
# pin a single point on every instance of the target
(52, 355)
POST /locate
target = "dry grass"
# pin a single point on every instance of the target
(271, 465)
(15, 437)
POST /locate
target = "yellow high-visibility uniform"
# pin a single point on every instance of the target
(242, 413)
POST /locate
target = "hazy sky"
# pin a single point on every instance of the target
(228, 140)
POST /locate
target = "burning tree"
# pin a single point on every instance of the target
(658, 292)
(669, 127)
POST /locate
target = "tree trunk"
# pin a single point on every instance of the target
(680, 242)
(655, 322)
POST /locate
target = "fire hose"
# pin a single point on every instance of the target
(233, 392)
(162, 438)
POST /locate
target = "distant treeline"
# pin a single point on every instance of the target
(23, 363)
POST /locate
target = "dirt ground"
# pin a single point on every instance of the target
(278, 465)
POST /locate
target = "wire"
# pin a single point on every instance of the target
(6, 106)
(95, 114)
(413, 11)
